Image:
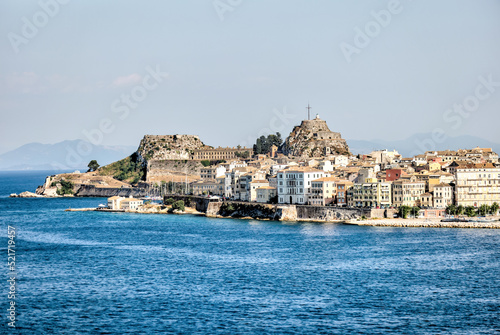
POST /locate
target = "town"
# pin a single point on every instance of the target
(312, 166)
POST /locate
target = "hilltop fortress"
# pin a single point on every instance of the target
(313, 138)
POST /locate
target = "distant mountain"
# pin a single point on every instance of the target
(66, 155)
(419, 143)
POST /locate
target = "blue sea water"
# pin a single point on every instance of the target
(118, 273)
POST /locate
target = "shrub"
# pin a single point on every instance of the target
(169, 201)
(179, 205)
(66, 187)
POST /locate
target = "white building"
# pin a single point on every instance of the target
(294, 184)
(130, 204)
(326, 165)
(275, 168)
(211, 173)
(114, 202)
(443, 195)
(341, 160)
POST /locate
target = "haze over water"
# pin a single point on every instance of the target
(89, 272)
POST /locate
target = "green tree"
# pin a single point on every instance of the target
(415, 210)
(179, 205)
(451, 210)
(66, 187)
(483, 210)
(404, 211)
(93, 165)
(470, 211)
(460, 210)
(494, 208)
(169, 201)
(205, 162)
(263, 144)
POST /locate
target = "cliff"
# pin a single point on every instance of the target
(169, 147)
(313, 138)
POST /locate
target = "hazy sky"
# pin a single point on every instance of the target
(237, 69)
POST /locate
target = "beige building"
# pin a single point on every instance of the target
(254, 185)
(443, 195)
(265, 193)
(477, 184)
(426, 200)
(407, 193)
(221, 153)
(209, 187)
(323, 191)
(114, 202)
(370, 195)
(210, 173)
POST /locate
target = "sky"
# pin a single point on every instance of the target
(232, 70)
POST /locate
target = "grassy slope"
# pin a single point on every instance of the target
(129, 170)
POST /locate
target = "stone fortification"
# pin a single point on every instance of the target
(169, 147)
(313, 138)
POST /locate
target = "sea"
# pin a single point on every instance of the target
(120, 273)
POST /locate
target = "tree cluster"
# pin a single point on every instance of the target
(404, 211)
(263, 144)
(471, 211)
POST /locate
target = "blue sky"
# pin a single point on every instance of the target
(239, 69)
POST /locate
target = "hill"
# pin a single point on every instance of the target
(61, 156)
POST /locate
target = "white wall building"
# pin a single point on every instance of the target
(294, 184)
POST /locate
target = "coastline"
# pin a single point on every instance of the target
(399, 223)
(424, 223)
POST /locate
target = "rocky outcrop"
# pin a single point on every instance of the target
(169, 147)
(25, 195)
(313, 138)
(106, 192)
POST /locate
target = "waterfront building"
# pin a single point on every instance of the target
(323, 191)
(294, 184)
(265, 193)
(206, 187)
(254, 185)
(477, 184)
(114, 202)
(426, 200)
(343, 186)
(370, 195)
(407, 193)
(443, 195)
(130, 203)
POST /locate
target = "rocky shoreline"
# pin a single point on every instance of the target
(424, 223)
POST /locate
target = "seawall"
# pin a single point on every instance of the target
(237, 209)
